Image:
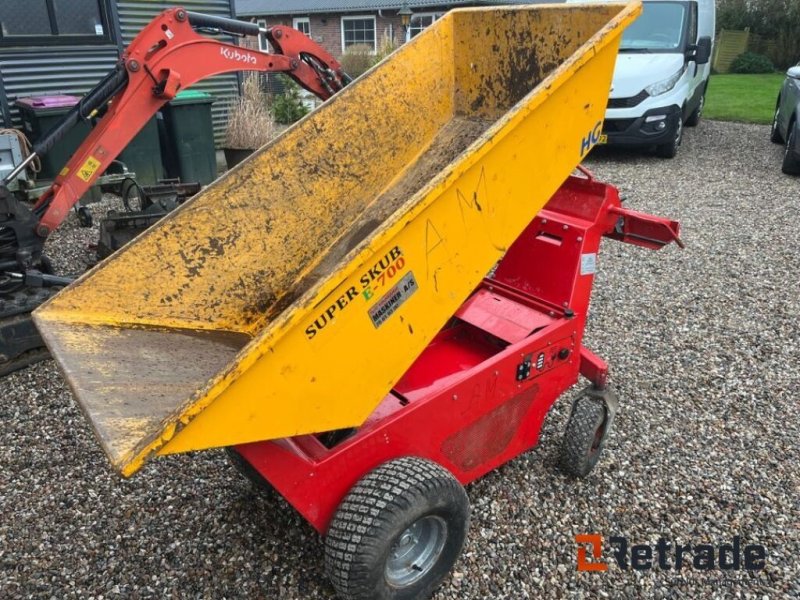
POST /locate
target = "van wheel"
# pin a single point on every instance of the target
(774, 135)
(791, 164)
(669, 150)
(694, 118)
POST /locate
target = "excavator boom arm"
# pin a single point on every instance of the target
(169, 55)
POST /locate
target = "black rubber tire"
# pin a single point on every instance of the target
(374, 514)
(584, 438)
(774, 135)
(84, 217)
(697, 113)
(248, 471)
(791, 164)
(46, 265)
(670, 149)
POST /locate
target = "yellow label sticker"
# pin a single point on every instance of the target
(63, 172)
(88, 168)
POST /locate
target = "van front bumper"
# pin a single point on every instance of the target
(654, 127)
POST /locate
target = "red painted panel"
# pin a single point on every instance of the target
(501, 316)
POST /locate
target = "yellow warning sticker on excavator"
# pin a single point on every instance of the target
(88, 169)
(63, 172)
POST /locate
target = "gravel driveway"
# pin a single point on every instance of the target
(704, 345)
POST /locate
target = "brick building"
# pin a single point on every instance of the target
(337, 24)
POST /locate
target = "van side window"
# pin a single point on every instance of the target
(692, 23)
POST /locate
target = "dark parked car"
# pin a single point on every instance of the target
(786, 122)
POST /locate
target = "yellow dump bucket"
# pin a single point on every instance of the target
(292, 293)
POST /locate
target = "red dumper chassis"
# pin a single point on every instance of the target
(388, 496)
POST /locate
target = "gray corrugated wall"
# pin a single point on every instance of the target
(135, 14)
(57, 70)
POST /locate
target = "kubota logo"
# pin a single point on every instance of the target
(244, 57)
(665, 555)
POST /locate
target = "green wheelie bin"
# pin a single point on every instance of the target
(189, 142)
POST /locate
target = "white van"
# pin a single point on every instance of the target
(661, 75)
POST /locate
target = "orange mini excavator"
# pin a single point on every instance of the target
(169, 54)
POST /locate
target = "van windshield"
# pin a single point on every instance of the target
(658, 29)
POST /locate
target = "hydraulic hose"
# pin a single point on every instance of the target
(223, 24)
(108, 87)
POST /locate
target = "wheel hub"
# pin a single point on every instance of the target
(415, 551)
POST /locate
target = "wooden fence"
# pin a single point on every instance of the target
(730, 44)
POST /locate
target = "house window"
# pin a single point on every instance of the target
(302, 24)
(358, 31)
(49, 22)
(263, 44)
(420, 21)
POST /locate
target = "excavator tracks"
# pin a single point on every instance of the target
(20, 341)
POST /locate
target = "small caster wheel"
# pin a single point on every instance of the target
(585, 436)
(397, 533)
(248, 471)
(84, 217)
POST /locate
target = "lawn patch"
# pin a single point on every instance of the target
(746, 98)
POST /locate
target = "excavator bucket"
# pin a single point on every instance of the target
(292, 293)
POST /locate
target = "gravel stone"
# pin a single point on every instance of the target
(704, 346)
(71, 247)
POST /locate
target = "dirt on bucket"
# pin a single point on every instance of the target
(455, 137)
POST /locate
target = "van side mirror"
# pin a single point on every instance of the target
(700, 52)
(794, 72)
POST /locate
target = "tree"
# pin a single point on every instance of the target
(775, 20)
